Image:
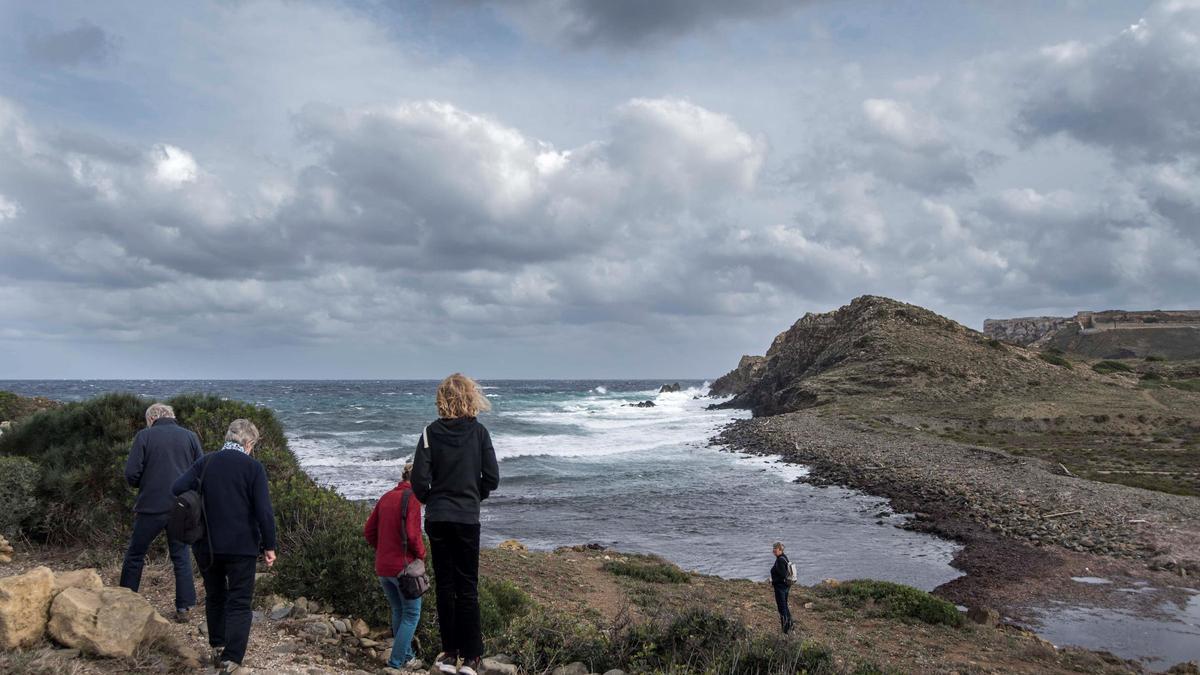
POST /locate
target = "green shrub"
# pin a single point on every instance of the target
(1185, 385)
(18, 493)
(1152, 358)
(500, 602)
(1054, 359)
(649, 569)
(1109, 367)
(541, 638)
(995, 344)
(1151, 377)
(898, 601)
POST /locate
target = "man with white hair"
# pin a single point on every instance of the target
(161, 453)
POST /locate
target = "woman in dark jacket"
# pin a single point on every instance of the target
(455, 468)
(396, 538)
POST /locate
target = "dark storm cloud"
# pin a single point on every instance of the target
(586, 23)
(86, 44)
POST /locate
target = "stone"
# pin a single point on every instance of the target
(390, 671)
(576, 668)
(614, 671)
(809, 605)
(280, 611)
(512, 545)
(494, 667)
(832, 583)
(6, 551)
(360, 628)
(503, 658)
(107, 621)
(669, 388)
(642, 404)
(84, 578)
(984, 616)
(319, 630)
(299, 609)
(24, 601)
(367, 642)
(340, 626)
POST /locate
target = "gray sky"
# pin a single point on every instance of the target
(573, 188)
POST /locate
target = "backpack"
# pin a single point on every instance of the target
(186, 522)
(790, 580)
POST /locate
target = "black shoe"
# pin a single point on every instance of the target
(472, 667)
(787, 627)
(214, 657)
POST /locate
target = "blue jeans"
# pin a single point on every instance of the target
(406, 614)
(146, 527)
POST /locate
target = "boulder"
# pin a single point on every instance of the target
(614, 671)
(24, 601)
(669, 388)
(642, 404)
(984, 616)
(512, 545)
(494, 667)
(105, 621)
(340, 626)
(6, 551)
(84, 578)
(281, 610)
(360, 628)
(576, 668)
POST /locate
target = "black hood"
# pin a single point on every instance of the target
(454, 432)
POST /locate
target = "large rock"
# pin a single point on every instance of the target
(494, 667)
(24, 600)
(669, 388)
(576, 668)
(106, 621)
(84, 578)
(6, 551)
(512, 545)
(739, 379)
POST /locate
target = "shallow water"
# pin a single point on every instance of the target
(579, 465)
(1171, 638)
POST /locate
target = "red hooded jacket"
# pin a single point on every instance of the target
(383, 532)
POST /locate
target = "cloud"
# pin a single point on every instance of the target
(1137, 93)
(86, 44)
(625, 23)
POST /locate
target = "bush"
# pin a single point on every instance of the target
(1152, 358)
(898, 601)
(1151, 377)
(18, 493)
(1109, 367)
(1054, 359)
(649, 569)
(995, 344)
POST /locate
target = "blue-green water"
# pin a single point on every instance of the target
(579, 465)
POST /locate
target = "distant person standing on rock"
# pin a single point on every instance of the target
(782, 578)
(394, 531)
(454, 470)
(239, 524)
(161, 453)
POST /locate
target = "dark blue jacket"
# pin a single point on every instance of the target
(160, 454)
(236, 503)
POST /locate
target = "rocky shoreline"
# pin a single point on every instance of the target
(1025, 528)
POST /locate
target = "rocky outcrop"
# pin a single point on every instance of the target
(641, 404)
(881, 348)
(104, 621)
(24, 600)
(84, 578)
(1025, 331)
(670, 388)
(738, 380)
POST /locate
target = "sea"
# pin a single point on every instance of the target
(580, 464)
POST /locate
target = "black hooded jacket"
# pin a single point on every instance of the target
(456, 472)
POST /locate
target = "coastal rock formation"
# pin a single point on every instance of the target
(24, 599)
(104, 621)
(739, 379)
(879, 347)
(669, 388)
(641, 404)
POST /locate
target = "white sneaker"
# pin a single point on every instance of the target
(447, 664)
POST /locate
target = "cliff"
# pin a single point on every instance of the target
(738, 379)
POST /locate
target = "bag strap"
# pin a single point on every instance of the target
(404, 520)
(425, 437)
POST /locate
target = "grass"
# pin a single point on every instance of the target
(1109, 367)
(1054, 359)
(651, 570)
(896, 601)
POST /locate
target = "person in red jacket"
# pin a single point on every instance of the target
(385, 531)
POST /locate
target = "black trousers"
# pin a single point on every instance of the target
(455, 548)
(229, 594)
(781, 603)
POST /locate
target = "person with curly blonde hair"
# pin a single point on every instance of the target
(454, 470)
